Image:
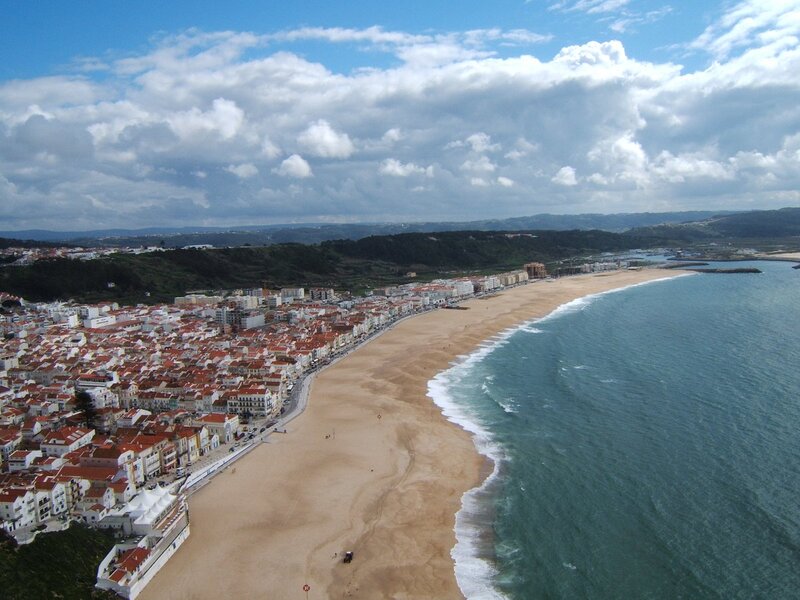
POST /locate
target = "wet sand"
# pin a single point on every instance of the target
(371, 466)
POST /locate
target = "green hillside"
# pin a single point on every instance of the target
(343, 264)
(55, 565)
(764, 225)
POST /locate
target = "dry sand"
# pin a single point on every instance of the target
(790, 256)
(371, 466)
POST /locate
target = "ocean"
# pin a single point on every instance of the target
(645, 443)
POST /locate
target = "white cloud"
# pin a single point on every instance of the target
(375, 35)
(590, 6)
(269, 149)
(481, 142)
(224, 119)
(687, 166)
(392, 135)
(514, 37)
(395, 168)
(522, 148)
(598, 179)
(594, 54)
(632, 20)
(320, 139)
(618, 15)
(243, 171)
(565, 176)
(751, 23)
(294, 166)
(413, 46)
(169, 125)
(481, 164)
(478, 142)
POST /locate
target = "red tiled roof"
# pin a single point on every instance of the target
(130, 560)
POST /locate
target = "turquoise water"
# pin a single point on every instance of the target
(646, 445)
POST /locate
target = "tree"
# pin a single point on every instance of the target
(7, 540)
(85, 403)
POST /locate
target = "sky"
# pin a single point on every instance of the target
(123, 114)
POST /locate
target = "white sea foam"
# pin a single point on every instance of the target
(474, 573)
(530, 329)
(508, 406)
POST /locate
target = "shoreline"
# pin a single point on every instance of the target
(474, 568)
(373, 466)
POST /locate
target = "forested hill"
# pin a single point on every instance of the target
(343, 264)
(762, 224)
(481, 249)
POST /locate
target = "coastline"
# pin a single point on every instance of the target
(372, 466)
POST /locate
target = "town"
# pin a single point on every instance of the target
(110, 416)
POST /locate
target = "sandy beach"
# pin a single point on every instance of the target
(790, 256)
(371, 466)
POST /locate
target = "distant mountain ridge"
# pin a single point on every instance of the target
(377, 260)
(311, 233)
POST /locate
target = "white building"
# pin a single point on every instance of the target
(21, 460)
(161, 518)
(101, 321)
(255, 401)
(197, 300)
(463, 287)
(17, 509)
(65, 440)
(292, 294)
(223, 425)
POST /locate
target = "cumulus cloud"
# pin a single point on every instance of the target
(478, 142)
(392, 135)
(481, 142)
(243, 171)
(320, 139)
(395, 168)
(174, 134)
(565, 176)
(224, 119)
(482, 164)
(294, 166)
